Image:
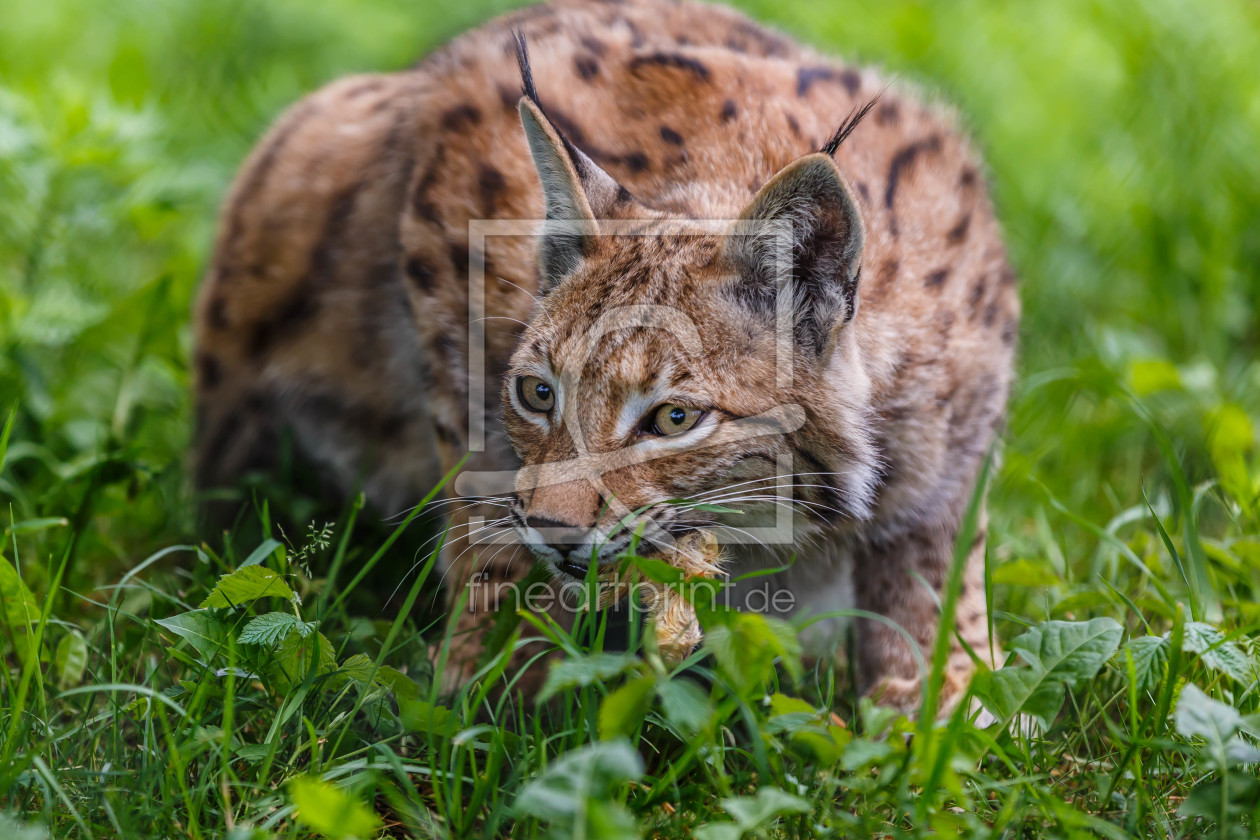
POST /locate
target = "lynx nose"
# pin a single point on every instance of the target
(562, 538)
(556, 533)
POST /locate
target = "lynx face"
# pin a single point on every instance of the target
(649, 379)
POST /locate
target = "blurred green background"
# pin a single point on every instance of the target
(1123, 139)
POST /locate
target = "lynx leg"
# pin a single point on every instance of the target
(483, 569)
(904, 580)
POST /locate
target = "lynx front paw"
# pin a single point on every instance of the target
(906, 694)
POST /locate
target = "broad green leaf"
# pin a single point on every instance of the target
(419, 716)
(622, 711)
(782, 704)
(11, 828)
(1218, 653)
(248, 584)
(203, 631)
(403, 687)
(1148, 376)
(863, 752)
(71, 659)
(753, 812)
(1149, 654)
(358, 668)
(330, 811)
(581, 671)
(17, 605)
(290, 662)
(564, 792)
(1026, 572)
(1058, 654)
(718, 831)
(1231, 437)
(272, 628)
(656, 569)
(253, 753)
(1217, 723)
(684, 705)
(810, 731)
(1234, 798)
(746, 646)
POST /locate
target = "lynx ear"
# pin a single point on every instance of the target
(805, 224)
(575, 190)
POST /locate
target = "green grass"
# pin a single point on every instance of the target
(1125, 515)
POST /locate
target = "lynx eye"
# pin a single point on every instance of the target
(535, 393)
(673, 419)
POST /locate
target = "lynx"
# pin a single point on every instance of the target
(744, 296)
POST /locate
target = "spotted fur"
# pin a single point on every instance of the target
(336, 312)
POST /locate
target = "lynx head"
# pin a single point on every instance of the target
(678, 360)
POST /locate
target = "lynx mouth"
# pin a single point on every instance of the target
(572, 569)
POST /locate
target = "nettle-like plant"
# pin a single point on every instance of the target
(235, 633)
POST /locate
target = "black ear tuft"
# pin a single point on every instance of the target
(845, 128)
(527, 74)
(530, 92)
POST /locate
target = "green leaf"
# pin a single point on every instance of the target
(1149, 376)
(419, 716)
(1218, 653)
(290, 662)
(10, 827)
(1058, 654)
(1217, 723)
(253, 753)
(581, 671)
(330, 811)
(1026, 572)
(684, 705)
(746, 646)
(248, 584)
(622, 711)
(203, 631)
(810, 731)
(863, 752)
(1214, 799)
(70, 659)
(273, 627)
(17, 605)
(718, 831)
(753, 812)
(570, 792)
(359, 667)
(403, 687)
(1231, 437)
(1149, 654)
(656, 569)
